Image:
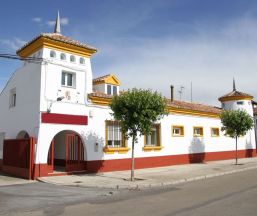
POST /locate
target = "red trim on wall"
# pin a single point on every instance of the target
(18, 157)
(1, 164)
(42, 170)
(55, 118)
(150, 162)
(46, 170)
(147, 162)
(17, 171)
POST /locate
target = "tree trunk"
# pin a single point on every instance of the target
(236, 151)
(132, 159)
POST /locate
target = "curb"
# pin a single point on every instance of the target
(154, 185)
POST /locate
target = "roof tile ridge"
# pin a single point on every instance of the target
(102, 76)
(189, 102)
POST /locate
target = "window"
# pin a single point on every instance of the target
(112, 90)
(215, 132)
(198, 131)
(114, 137)
(52, 54)
(72, 58)
(153, 139)
(82, 61)
(63, 56)
(109, 89)
(177, 130)
(13, 97)
(240, 102)
(68, 79)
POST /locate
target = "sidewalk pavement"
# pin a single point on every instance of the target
(6, 180)
(154, 177)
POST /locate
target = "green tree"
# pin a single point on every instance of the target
(137, 110)
(236, 123)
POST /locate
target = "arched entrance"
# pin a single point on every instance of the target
(66, 153)
(22, 135)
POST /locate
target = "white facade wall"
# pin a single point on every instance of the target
(25, 114)
(100, 88)
(51, 87)
(39, 85)
(232, 105)
(94, 133)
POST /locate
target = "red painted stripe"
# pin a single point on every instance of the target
(148, 162)
(160, 161)
(55, 118)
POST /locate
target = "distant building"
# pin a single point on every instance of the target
(54, 98)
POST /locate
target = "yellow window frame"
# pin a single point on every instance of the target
(217, 129)
(181, 127)
(201, 131)
(123, 149)
(156, 147)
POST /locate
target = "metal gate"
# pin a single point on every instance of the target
(18, 157)
(74, 153)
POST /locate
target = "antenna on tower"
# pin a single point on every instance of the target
(180, 91)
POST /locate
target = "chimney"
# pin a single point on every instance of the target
(171, 92)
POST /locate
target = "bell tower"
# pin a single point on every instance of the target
(65, 73)
(235, 100)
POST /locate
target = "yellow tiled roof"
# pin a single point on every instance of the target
(172, 104)
(235, 95)
(59, 38)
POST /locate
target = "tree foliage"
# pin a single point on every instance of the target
(137, 110)
(236, 122)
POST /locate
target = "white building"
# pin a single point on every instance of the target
(54, 98)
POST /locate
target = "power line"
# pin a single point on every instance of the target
(36, 60)
(16, 57)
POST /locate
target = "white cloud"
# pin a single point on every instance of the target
(12, 44)
(50, 23)
(37, 19)
(64, 21)
(210, 59)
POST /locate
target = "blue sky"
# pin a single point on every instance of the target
(149, 43)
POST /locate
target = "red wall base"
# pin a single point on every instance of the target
(149, 162)
(40, 170)
(16, 171)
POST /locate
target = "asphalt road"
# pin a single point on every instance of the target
(233, 194)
